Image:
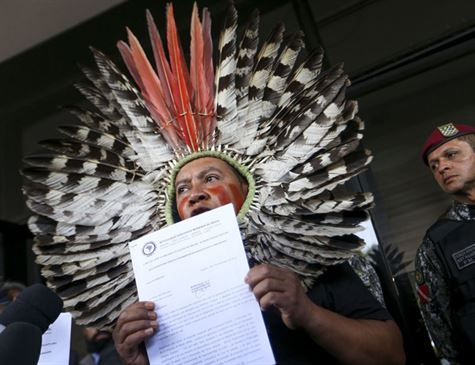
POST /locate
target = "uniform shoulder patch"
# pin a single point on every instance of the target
(422, 288)
(419, 277)
(423, 293)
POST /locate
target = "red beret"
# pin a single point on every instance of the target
(443, 134)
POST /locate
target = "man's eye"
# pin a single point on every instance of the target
(211, 178)
(433, 166)
(181, 189)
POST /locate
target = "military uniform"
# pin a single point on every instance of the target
(445, 280)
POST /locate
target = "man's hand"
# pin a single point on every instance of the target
(134, 325)
(281, 288)
(351, 341)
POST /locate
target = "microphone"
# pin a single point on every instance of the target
(36, 305)
(20, 343)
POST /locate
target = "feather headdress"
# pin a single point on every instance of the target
(286, 126)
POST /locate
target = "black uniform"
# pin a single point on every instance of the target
(445, 274)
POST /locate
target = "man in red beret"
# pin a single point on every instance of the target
(445, 262)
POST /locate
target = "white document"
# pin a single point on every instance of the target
(194, 273)
(56, 342)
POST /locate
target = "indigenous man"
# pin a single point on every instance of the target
(337, 321)
(445, 270)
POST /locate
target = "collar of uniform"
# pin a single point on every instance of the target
(461, 211)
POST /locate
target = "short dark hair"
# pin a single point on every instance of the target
(6, 289)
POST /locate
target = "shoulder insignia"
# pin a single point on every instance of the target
(419, 277)
(423, 293)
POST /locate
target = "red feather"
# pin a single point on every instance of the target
(126, 54)
(185, 116)
(209, 122)
(143, 73)
(181, 102)
(197, 75)
(168, 80)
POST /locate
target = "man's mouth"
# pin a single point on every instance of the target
(448, 179)
(199, 211)
(101, 335)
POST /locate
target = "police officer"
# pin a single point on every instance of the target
(445, 262)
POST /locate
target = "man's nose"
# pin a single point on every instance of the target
(198, 195)
(444, 165)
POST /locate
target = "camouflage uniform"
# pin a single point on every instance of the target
(433, 289)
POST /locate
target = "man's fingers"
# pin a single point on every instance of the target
(129, 329)
(268, 300)
(136, 311)
(279, 288)
(268, 285)
(137, 332)
(133, 318)
(281, 300)
(264, 271)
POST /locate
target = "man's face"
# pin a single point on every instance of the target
(96, 339)
(453, 167)
(207, 183)
(11, 294)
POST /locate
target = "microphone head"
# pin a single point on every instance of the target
(20, 343)
(36, 305)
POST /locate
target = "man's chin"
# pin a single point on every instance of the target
(454, 189)
(200, 210)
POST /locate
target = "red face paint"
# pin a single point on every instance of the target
(182, 205)
(221, 194)
(232, 195)
(238, 197)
